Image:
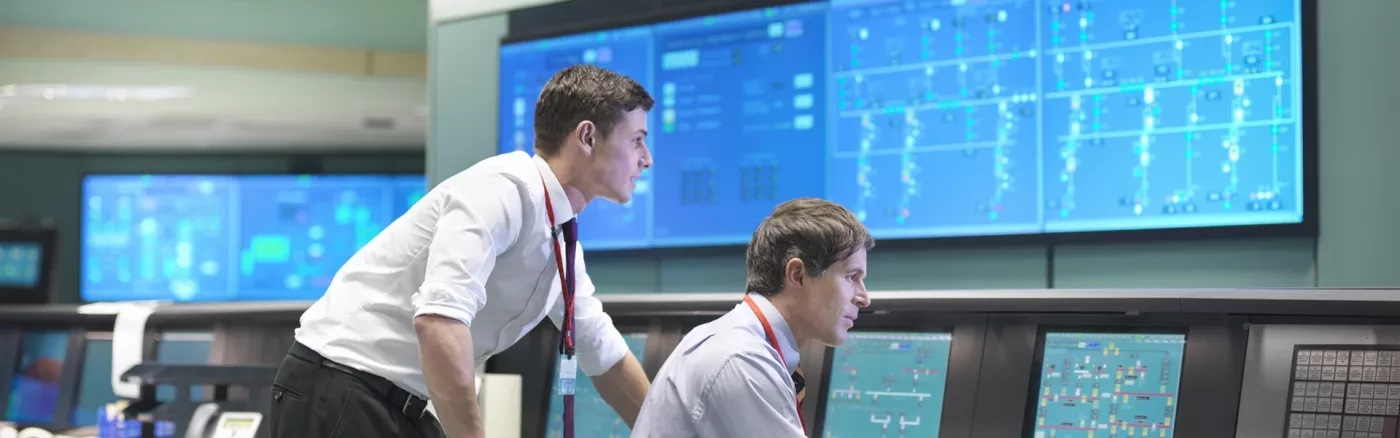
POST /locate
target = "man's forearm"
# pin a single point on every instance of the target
(624, 387)
(445, 349)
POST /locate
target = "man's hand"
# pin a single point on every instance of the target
(624, 387)
(445, 349)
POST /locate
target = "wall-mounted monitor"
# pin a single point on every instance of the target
(1038, 121)
(230, 237)
(887, 384)
(1107, 383)
(26, 265)
(592, 415)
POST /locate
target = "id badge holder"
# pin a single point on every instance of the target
(568, 372)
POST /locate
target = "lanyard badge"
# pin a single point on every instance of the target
(568, 363)
(568, 374)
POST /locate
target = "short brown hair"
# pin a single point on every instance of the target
(584, 92)
(816, 231)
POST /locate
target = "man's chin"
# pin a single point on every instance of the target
(838, 340)
(616, 200)
(620, 199)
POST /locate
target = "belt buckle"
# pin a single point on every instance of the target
(407, 402)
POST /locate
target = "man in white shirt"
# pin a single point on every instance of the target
(466, 272)
(737, 376)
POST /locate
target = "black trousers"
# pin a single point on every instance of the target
(313, 397)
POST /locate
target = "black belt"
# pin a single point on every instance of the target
(408, 404)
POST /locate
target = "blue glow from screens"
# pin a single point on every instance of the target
(948, 118)
(592, 415)
(38, 376)
(1110, 383)
(21, 264)
(887, 384)
(230, 238)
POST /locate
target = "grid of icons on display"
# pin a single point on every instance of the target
(1344, 391)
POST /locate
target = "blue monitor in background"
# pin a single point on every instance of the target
(21, 264)
(1162, 115)
(1107, 382)
(230, 237)
(887, 384)
(593, 417)
(27, 258)
(38, 376)
(740, 105)
(945, 119)
(934, 117)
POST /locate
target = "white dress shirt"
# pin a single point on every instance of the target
(477, 248)
(725, 380)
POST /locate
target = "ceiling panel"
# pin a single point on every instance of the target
(376, 24)
(74, 104)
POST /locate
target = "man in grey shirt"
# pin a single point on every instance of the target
(737, 376)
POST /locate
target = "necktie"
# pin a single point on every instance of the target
(800, 383)
(570, 243)
(570, 229)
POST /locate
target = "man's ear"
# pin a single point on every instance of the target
(793, 272)
(586, 133)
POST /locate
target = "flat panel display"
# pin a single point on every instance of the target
(887, 384)
(1107, 384)
(21, 264)
(950, 118)
(38, 375)
(230, 237)
(95, 383)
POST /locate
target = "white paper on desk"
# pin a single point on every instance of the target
(128, 346)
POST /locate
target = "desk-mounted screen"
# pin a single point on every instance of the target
(230, 237)
(887, 384)
(37, 377)
(953, 118)
(1109, 384)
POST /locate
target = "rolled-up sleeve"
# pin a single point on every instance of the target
(750, 395)
(597, 343)
(471, 230)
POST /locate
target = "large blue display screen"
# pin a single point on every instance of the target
(230, 238)
(936, 118)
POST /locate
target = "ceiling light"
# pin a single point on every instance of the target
(114, 93)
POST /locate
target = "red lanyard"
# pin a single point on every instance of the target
(565, 286)
(773, 340)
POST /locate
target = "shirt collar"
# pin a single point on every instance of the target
(786, 339)
(563, 210)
